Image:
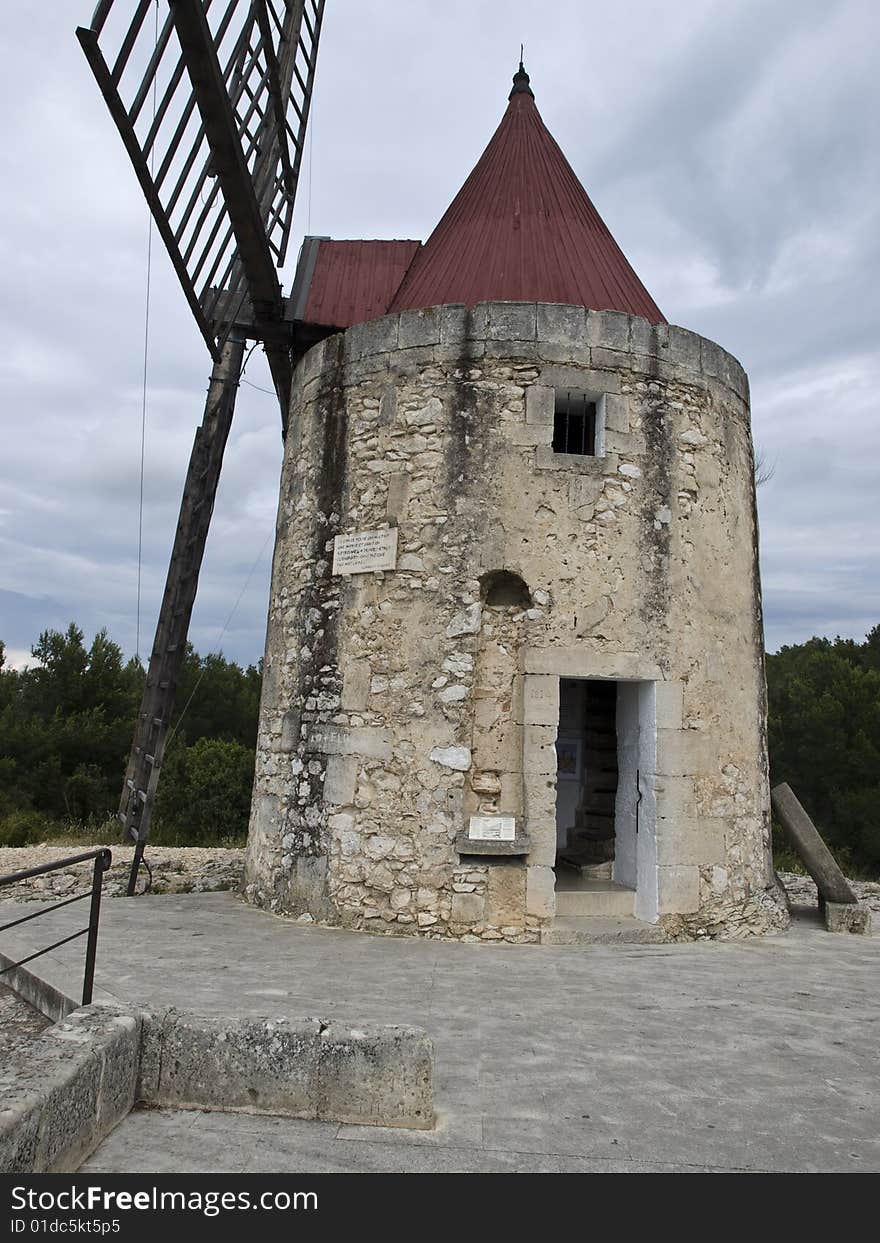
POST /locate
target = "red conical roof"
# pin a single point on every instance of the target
(522, 229)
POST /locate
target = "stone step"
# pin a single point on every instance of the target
(623, 930)
(594, 898)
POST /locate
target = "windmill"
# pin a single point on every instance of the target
(212, 105)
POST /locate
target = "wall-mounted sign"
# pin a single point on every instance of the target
(365, 552)
(492, 828)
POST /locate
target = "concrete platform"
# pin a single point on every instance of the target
(746, 1055)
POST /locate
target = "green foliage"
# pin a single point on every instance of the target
(66, 726)
(204, 794)
(23, 828)
(824, 735)
(220, 699)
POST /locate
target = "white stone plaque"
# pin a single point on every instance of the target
(365, 552)
(492, 828)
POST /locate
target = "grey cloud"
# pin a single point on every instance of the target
(731, 148)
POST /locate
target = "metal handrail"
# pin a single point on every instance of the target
(102, 859)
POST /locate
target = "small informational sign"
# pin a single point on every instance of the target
(492, 828)
(365, 552)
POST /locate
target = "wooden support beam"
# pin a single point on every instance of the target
(169, 644)
(809, 846)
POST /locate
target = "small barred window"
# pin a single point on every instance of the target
(574, 424)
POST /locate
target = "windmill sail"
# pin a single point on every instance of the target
(212, 103)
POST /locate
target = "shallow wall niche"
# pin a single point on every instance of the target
(504, 589)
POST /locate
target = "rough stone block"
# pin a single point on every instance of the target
(698, 842)
(356, 686)
(19, 1137)
(541, 892)
(852, 917)
(583, 493)
(459, 323)
(506, 895)
(685, 752)
(646, 338)
(540, 798)
(511, 321)
(540, 700)
(623, 444)
(542, 837)
(499, 749)
(368, 368)
(561, 325)
(528, 436)
(376, 1076)
(678, 889)
(510, 801)
(539, 749)
(76, 1081)
(617, 413)
(539, 405)
(468, 908)
(368, 740)
(684, 348)
(717, 363)
(453, 323)
(492, 554)
(353, 344)
(306, 1068)
(613, 360)
(398, 496)
(312, 363)
(669, 700)
(674, 796)
(340, 780)
(551, 352)
(379, 336)
(515, 351)
(411, 362)
(609, 330)
(419, 328)
(579, 662)
(580, 379)
(546, 459)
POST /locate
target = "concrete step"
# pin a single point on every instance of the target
(623, 930)
(586, 899)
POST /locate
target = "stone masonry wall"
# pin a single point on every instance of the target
(396, 704)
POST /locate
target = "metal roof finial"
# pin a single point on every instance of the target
(521, 80)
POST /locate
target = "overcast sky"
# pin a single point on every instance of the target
(730, 145)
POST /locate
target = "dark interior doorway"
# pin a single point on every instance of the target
(587, 777)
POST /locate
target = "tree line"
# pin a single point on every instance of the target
(66, 725)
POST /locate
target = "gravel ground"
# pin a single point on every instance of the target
(801, 890)
(176, 869)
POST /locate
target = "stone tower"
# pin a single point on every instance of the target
(514, 667)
